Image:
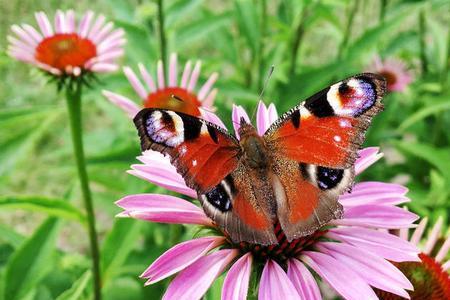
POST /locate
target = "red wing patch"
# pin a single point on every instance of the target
(203, 153)
(328, 128)
(249, 215)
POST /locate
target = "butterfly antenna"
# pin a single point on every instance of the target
(266, 81)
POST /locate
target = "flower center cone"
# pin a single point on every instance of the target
(176, 99)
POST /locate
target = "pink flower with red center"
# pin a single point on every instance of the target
(429, 277)
(169, 91)
(351, 254)
(67, 47)
(397, 75)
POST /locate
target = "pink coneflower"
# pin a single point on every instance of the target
(68, 48)
(168, 92)
(429, 277)
(394, 70)
(351, 254)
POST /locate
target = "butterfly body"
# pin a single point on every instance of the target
(292, 175)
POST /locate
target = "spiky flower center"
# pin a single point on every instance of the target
(65, 51)
(284, 249)
(429, 280)
(176, 99)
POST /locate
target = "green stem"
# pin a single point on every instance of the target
(423, 57)
(348, 28)
(298, 37)
(73, 97)
(260, 60)
(162, 33)
(447, 65)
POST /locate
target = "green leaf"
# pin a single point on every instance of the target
(10, 236)
(77, 289)
(117, 246)
(201, 29)
(430, 109)
(438, 157)
(180, 11)
(29, 264)
(51, 206)
(248, 22)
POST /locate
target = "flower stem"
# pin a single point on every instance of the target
(162, 33)
(73, 97)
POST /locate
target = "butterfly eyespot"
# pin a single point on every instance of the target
(328, 178)
(219, 198)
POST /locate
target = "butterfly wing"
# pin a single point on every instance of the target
(202, 152)
(315, 147)
(208, 158)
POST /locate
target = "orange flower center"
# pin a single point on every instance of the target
(176, 99)
(430, 281)
(391, 78)
(65, 50)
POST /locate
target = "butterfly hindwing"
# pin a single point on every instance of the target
(315, 146)
(202, 152)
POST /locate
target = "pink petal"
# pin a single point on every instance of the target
(128, 106)
(339, 276)
(85, 24)
(33, 33)
(148, 79)
(275, 283)
(367, 157)
(262, 118)
(179, 257)
(302, 280)
(194, 281)
(237, 114)
(380, 216)
(158, 175)
(162, 209)
(207, 86)
(104, 67)
(135, 82)
(433, 236)
(417, 235)
(235, 286)
(443, 251)
(375, 193)
(273, 115)
(376, 271)
(173, 73)
(212, 117)
(160, 74)
(104, 31)
(194, 76)
(96, 27)
(383, 244)
(186, 74)
(209, 100)
(44, 24)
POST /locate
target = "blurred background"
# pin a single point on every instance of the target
(311, 43)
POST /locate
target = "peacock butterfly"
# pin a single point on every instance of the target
(293, 174)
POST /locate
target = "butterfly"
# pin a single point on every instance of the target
(293, 174)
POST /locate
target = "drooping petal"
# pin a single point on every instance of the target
(204, 90)
(213, 118)
(193, 282)
(303, 281)
(339, 276)
(275, 284)
(273, 114)
(367, 157)
(417, 235)
(375, 193)
(383, 244)
(135, 82)
(235, 285)
(378, 216)
(179, 257)
(163, 209)
(376, 271)
(128, 106)
(443, 251)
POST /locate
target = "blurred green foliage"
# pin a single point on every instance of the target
(311, 43)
